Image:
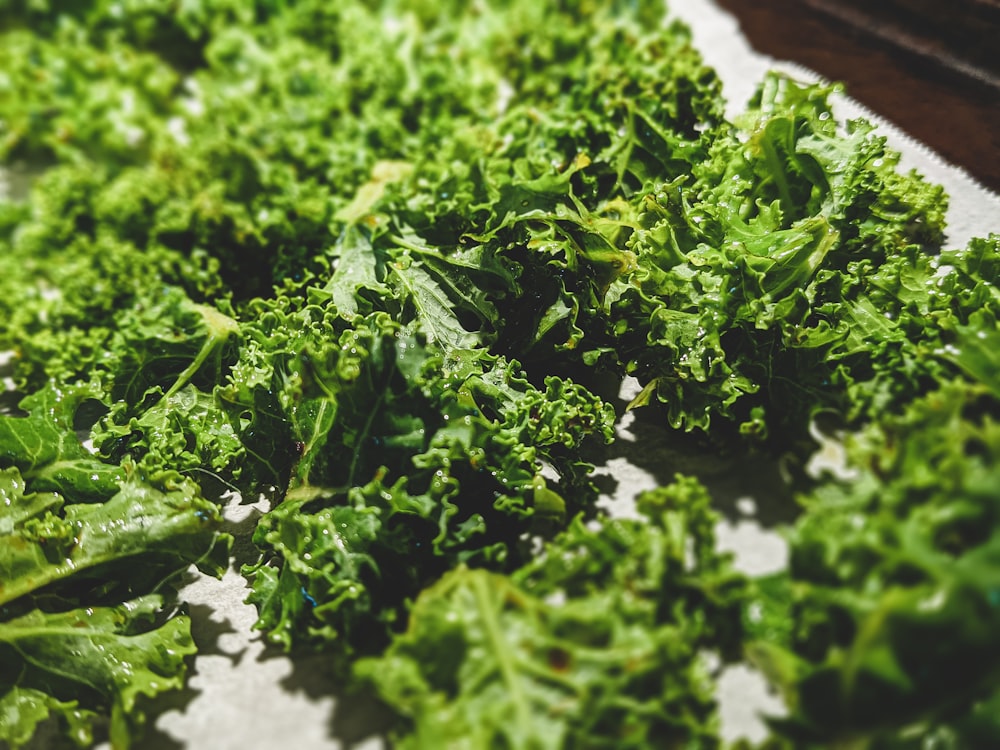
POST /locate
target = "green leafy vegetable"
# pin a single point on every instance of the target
(895, 578)
(592, 645)
(76, 663)
(377, 262)
(95, 657)
(411, 460)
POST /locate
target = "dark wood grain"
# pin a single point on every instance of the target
(959, 35)
(954, 112)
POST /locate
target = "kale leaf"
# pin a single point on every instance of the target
(599, 642)
(893, 579)
(375, 262)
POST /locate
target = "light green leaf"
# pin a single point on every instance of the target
(113, 654)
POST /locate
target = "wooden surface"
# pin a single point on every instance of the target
(952, 112)
(960, 35)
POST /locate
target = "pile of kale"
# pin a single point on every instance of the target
(374, 260)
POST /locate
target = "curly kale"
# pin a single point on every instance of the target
(373, 262)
